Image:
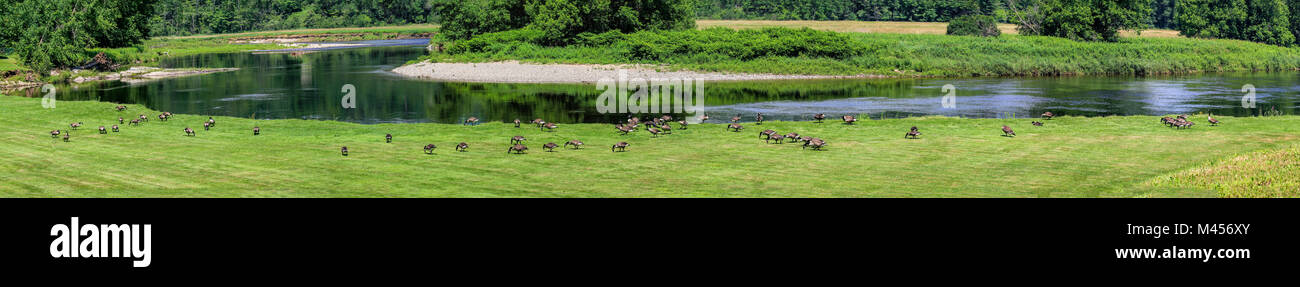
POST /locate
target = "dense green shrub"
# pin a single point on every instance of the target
(560, 21)
(974, 25)
(663, 44)
(497, 41)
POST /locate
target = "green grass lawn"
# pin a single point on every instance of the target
(9, 63)
(1069, 157)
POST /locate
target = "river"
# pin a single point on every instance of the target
(311, 86)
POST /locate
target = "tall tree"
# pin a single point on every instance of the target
(1264, 21)
(1092, 20)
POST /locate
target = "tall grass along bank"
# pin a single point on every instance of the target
(807, 51)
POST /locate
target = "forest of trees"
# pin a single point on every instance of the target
(888, 10)
(51, 33)
(555, 21)
(860, 10)
(185, 17)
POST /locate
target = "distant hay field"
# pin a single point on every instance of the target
(880, 27)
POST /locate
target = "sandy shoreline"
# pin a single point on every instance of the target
(515, 72)
(145, 74)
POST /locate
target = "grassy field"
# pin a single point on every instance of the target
(887, 27)
(9, 64)
(1069, 157)
(1270, 173)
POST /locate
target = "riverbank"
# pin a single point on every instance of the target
(145, 74)
(1068, 157)
(515, 72)
(884, 54)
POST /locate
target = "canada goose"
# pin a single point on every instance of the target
(471, 121)
(1048, 115)
(388, 138)
(517, 149)
(767, 133)
(735, 127)
(547, 127)
(344, 151)
(102, 130)
(819, 117)
(1184, 124)
(428, 149)
(550, 146)
(206, 125)
(75, 125)
(735, 119)
(814, 143)
(805, 139)
(114, 128)
(1007, 132)
(190, 132)
(666, 118)
(778, 138)
(121, 108)
(1182, 117)
(212, 122)
(135, 122)
(66, 136)
(538, 122)
(54, 134)
(913, 134)
(792, 136)
(120, 120)
(704, 117)
(257, 131)
(621, 146)
(625, 129)
(668, 129)
(682, 123)
(144, 118)
(462, 147)
(1168, 121)
(1036, 123)
(1213, 122)
(574, 143)
(167, 114)
(849, 119)
(758, 119)
(516, 123)
(517, 140)
(654, 132)
(162, 118)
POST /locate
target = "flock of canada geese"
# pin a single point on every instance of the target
(657, 126)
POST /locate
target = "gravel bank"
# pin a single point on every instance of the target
(515, 72)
